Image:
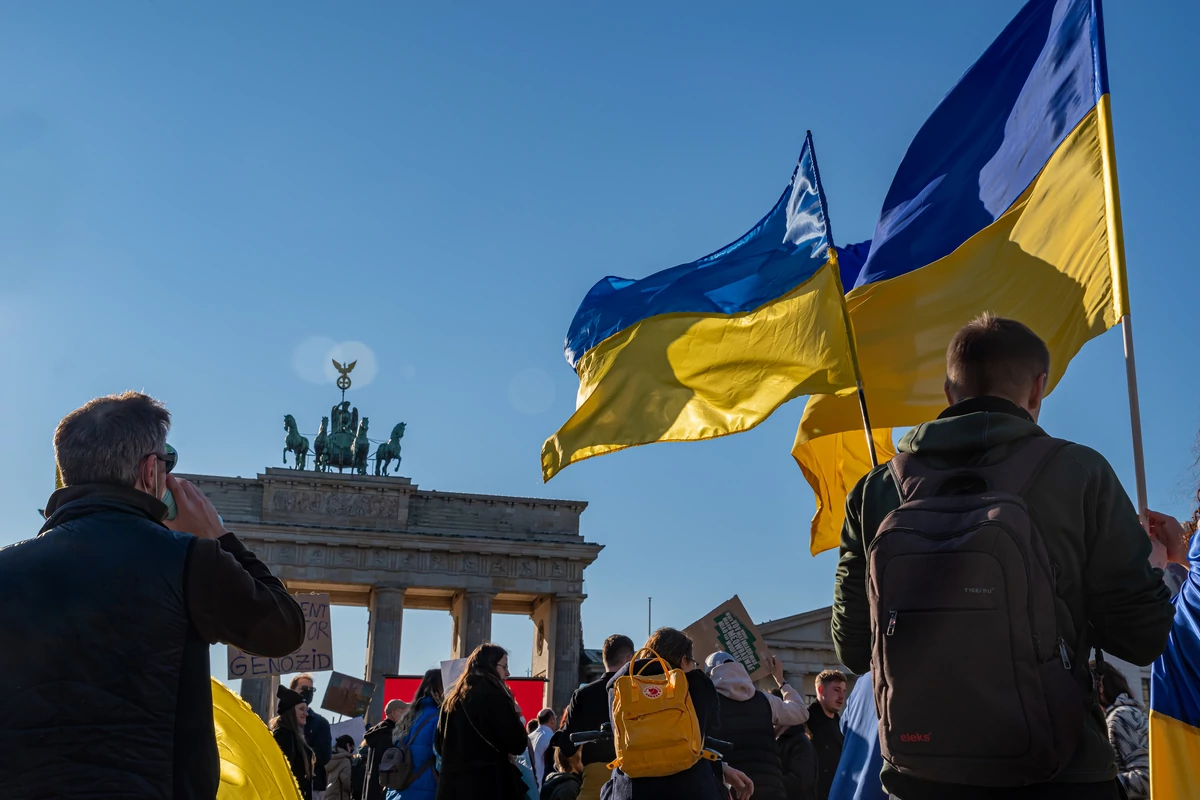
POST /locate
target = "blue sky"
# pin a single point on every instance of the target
(189, 194)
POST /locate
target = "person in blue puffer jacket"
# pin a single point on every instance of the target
(416, 730)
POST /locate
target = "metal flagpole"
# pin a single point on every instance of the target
(1120, 279)
(862, 394)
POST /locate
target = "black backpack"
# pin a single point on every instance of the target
(396, 768)
(973, 683)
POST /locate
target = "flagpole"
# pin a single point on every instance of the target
(1120, 279)
(1116, 253)
(833, 257)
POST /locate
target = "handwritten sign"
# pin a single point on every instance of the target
(347, 695)
(728, 627)
(315, 655)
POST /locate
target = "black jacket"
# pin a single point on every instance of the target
(697, 783)
(114, 614)
(296, 754)
(749, 726)
(798, 757)
(320, 739)
(378, 739)
(475, 739)
(588, 711)
(1107, 593)
(827, 738)
(561, 786)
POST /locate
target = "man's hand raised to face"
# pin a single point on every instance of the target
(196, 514)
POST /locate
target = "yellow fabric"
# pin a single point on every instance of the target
(594, 777)
(832, 465)
(1174, 756)
(1112, 199)
(685, 377)
(252, 765)
(655, 727)
(1045, 262)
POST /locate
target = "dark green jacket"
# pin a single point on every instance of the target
(1108, 594)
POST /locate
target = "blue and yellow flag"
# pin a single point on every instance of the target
(712, 347)
(1175, 697)
(1006, 201)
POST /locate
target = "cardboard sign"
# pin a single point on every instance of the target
(728, 627)
(315, 655)
(348, 696)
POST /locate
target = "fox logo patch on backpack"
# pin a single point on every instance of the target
(655, 728)
(962, 603)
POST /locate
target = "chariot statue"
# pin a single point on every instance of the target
(342, 441)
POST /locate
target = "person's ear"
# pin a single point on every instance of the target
(147, 474)
(949, 396)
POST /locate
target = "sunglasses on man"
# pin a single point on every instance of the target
(169, 458)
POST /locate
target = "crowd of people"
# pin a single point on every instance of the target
(984, 574)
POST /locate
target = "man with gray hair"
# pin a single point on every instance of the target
(109, 613)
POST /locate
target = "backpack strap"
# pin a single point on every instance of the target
(915, 479)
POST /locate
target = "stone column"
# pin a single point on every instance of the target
(260, 694)
(472, 612)
(544, 620)
(383, 641)
(568, 638)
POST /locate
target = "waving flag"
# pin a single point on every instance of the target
(252, 765)
(712, 347)
(1175, 697)
(1006, 201)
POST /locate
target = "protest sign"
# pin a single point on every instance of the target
(315, 655)
(347, 695)
(728, 627)
(355, 728)
(451, 670)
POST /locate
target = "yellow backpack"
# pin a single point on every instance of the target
(655, 727)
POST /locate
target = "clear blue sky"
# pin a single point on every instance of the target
(190, 192)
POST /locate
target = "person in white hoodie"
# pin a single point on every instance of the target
(750, 719)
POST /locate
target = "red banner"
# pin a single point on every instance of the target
(527, 691)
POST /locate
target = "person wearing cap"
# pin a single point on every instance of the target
(750, 720)
(288, 730)
(112, 607)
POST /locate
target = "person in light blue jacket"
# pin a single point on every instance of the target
(416, 730)
(858, 770)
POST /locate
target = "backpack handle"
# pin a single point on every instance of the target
(657, 659)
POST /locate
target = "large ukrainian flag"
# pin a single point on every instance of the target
(1006, 201)
(1175, 697)
(712, 347)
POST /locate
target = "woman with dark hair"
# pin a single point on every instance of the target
(1128, 729)
(416, 730)
(480, 732)
(700, 781)
(288, 730)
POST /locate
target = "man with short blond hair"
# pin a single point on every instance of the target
(112, 608)
(1087, 575)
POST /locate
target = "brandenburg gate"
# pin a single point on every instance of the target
(381, 542)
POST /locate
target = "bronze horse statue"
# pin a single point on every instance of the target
(389, 451)
(320, 445)
(296, 443)
(361, 448)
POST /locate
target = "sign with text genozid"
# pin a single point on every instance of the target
(315, 655)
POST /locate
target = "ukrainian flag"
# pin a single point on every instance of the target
(1175, 697)
(1006, 201)
(712, 347)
